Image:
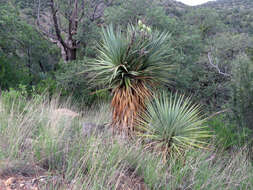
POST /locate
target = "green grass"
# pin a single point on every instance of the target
(36, 137)
(228, 135)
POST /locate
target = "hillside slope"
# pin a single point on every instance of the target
(229, 4)
(235, 13)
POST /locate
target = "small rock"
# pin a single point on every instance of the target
(22, 185)
(65, 112)
(10, 181)
(42, 180)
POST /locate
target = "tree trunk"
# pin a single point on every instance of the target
(69, 45)
(71, 54)
(68, 54)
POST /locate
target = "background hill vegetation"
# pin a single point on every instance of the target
(54, 48)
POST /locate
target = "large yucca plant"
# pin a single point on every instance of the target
(172, 124)
(130, 63)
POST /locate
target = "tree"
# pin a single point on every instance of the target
(25, 56)
(208, 21)
(123, 12)
(63, 24)
(130, 64)
(150, 12)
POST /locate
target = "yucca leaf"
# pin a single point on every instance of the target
(130, 54)
(175, 120)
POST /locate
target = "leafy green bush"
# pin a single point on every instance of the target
(11, 75)
(242, 91)
(72, 81)
(48, 85)
(14, 99)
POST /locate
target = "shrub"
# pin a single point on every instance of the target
(14, 99)
(226, 134)
(72, 82)
(242, 91)
(173, 124)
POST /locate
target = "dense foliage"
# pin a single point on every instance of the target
(211, 46)
(206, 41)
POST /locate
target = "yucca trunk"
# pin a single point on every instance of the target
(126, 104)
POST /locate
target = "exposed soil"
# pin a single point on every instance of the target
(128, 180)
(33, 183)
(17, 176)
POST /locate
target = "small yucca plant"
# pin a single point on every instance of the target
(130, 63)
(172, 124)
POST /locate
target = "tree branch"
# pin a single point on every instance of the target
(109, 3)
(56, 26)
(82, 11)
(42, 30)
(38, 12)
(73, 21)
(216, 66)
(94, 16)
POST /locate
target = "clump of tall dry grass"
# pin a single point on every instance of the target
(34, 137)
